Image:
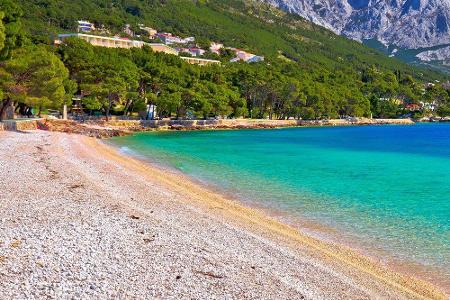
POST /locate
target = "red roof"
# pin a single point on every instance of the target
(409, 106)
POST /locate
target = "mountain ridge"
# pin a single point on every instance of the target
(408, 24)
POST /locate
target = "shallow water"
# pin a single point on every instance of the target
(388, 186)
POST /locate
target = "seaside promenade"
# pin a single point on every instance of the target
(80, 220)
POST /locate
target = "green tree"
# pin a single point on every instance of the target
(109, 79)
(168, 102)
(77, 55)
(33, 76)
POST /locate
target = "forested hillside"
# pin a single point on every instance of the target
(309, 72)
(247, 24)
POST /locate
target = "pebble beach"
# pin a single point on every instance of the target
(81, 220)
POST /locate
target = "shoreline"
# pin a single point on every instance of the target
(107, 129)
(374, 263)
(246, 250)
(312, 229)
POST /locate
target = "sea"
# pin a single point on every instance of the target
(382, 189)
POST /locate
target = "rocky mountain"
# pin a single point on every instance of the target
(442, 54)
(409, 24)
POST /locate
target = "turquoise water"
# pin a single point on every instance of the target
(388, 186)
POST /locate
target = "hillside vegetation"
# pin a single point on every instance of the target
(309, 72)
(246, 24)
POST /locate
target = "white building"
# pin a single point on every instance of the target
(200, 61)
(85, 26)
(127, 30)
(429, 106)
(116, 42)
(150, 31)
(215, 47)
(168, 38)
(151, 111)
(193, 51)
(255, 58)
(247, 57)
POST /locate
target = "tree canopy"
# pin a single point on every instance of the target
(35, 77)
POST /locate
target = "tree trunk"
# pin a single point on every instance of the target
(107, 113)
(3, 105)
(108, 108)
(127, 107)
(6, 111)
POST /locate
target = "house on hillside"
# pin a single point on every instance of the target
(168, 38)
(187, 40)
(255, 58)
(85, 26)
(413, 107)
(117, 42)
(247, 57)
(127, 30)
(150, 31)
(429, 106)
(215, 48)
(104, 41)
(242, 55)
(195, 52)
(162, 48)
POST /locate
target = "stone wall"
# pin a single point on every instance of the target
(243, 123)
(19, 125)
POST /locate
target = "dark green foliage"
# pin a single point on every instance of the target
(2, 31)
(34, 77)
(13, 34)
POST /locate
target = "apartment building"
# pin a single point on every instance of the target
(116, 42)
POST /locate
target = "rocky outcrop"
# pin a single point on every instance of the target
(91, 130)
(434, 119)
(442, 54)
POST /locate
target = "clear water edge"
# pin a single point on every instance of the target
(415, 239)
